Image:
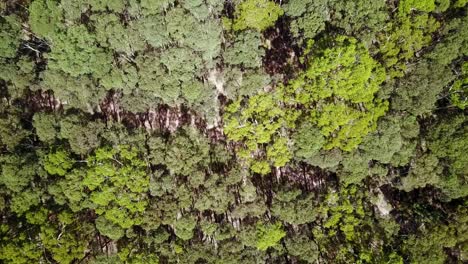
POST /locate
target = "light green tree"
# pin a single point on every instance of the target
(268, 235)
(256, 14)
(340, 84)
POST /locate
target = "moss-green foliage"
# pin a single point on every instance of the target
(103, 5)
(448, 142)
(75, 52)
(442, 166)
(22, 202)
(83, 137)
(309, 17)
(44, 17)
(359, 17)
(16, 173)
(303, 247)
(18, 76)
(308, 141)
(110, 33)
(362, 18)
(460, 3)
(46, 127)
(184, 227)
(10, 36)
(459, 89)
(394, 141)
(342, 213)
(109, 229)
(186, 152)
(64, 245)
(345, 216)
(78, 92)
(17, 249)
(258, 15)
(418, 91)
(293, 208)
(245, 50)
(430, 243)
(11, 129)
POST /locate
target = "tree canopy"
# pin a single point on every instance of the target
(240, 131)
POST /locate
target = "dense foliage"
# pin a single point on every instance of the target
(241, 131)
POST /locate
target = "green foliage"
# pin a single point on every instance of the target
(69, 190)
(18, 76)
(215, 199)
(244, 83)
(459, 89)
(75, 52)
(426, 171)
(418, 91)
(460, 3)
(359, 17)
(109, 229)
(46, 127)
(245, 50)
(203, 37)
(336, 74)
(186, 152)
(309, 17)
(62, 243)
(16, 172)
(429, 244)
(211, 131)
(16, 247)
(344, 212)
(268, 235)
(117, 181)
(24, 200)
(44, 17)
(294, 211)
(82, 136)
(10, 36)
(110, 33)
(184, 227)
(111, 5)
(11, 128)
(77, 92)
(403, 39)
(445, 166)
(406, 6)
(259, 123)
(352, 81)
(256, 14)
(303, 247)
(153, 30)
(58, 163)
(453, 44)
(348, 228)
(393, 142)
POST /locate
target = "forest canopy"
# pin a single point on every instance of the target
(233, 131)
